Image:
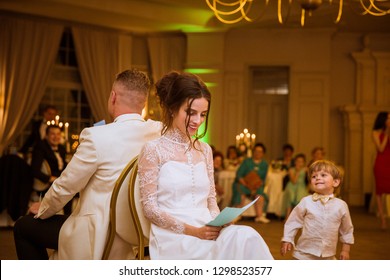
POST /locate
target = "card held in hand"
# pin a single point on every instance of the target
(229, 214)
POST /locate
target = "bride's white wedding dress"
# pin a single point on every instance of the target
(177, 187)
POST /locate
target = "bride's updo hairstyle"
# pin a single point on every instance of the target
(173, 90)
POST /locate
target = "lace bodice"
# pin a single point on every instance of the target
(173, 177)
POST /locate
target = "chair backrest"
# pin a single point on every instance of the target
(38, 185)
(121, 221)
(126, 216)
(142, 225)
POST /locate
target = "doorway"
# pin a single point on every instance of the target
(268, 107)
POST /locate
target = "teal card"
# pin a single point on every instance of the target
(229, 214)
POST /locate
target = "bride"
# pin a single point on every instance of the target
(177, 185)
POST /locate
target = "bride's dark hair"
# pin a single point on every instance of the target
(175, 88)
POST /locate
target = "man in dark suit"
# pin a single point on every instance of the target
(38, 130)
(51, 150)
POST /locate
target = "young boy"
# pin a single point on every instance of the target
(321, 216)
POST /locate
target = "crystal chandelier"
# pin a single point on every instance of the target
(233, 11)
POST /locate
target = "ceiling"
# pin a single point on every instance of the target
(192, 15)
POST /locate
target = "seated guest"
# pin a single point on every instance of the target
(287, 161)
(318, 153)
(232, 161)
(38, 129)
(103, 153)
(242, 188)
(54, 153)
(288, 156)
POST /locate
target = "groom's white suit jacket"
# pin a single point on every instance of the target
(103, 153)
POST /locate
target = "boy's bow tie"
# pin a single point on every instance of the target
(323, 197)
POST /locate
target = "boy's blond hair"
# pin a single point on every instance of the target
(327, 166)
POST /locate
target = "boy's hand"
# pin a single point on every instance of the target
(344, 255)
(285, 247)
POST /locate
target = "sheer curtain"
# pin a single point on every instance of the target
(167, 52)
(27, 54)
(100, 55)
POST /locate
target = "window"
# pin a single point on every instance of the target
(65, 91)
(66, 53)
(270, 80)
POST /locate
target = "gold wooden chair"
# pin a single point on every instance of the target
(142, 225)
(124, 217)
(120, 218)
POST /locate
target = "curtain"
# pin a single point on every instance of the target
(167, 52)
(98, 55)
(125, 52)
(27, 54)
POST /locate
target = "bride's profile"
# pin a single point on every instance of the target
(177, 185)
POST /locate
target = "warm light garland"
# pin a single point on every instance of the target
(233, 11)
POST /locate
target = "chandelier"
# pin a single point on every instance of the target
(245, 142)
(233, 11)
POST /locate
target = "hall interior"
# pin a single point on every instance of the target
(338, 79)
(371, 243)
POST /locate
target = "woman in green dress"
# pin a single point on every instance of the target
(297, 187)
(241, 186)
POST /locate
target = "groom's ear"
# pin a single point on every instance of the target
(113, 97)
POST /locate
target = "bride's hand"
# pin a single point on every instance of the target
(205, 232)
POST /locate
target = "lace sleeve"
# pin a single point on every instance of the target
(148, 170)
(211, 200)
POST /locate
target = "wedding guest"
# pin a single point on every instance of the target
(51, 151)
(38, 129)
(103, 153)
(380, 137)
(321, 216)
(296, 187)
(232, 160)
(177, 182)
(288, 156)
(287, 161)
(242, 188)
(318, 153)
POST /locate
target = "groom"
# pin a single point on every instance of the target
(103, 153)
